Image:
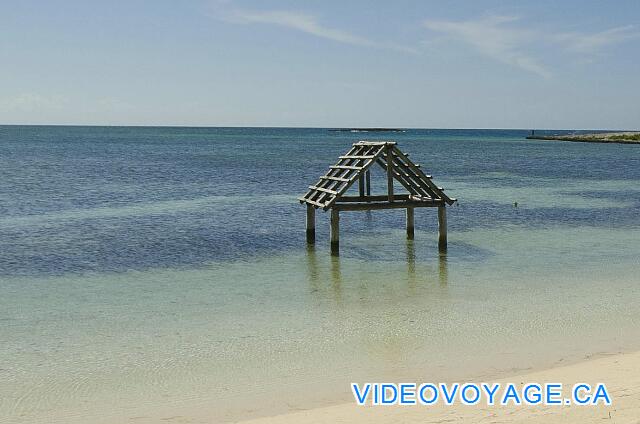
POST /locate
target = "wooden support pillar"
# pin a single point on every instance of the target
(367, 181)
(389, 173)
(335, 232)
(361, 181)
(311, 224)
(442, 228)
(410, 230)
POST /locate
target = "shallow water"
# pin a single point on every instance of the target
(165, 269)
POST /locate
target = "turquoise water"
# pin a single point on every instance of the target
(153, 273)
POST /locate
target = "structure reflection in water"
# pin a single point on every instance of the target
(327, 273)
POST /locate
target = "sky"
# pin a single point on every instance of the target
(571, 64)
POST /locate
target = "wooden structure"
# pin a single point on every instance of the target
(329, 193)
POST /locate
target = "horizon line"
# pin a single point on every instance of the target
(314, 127)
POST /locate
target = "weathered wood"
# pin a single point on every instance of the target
(385, 205)
(410, 227)
(346, 186)
(353, 168)
(311, 224)
(374, 143)
(418, 198)
(418, 171)
(361, 183)
(413, 178)
(384, 198)
(367, 176)
(341, 170)
(313, 202)
(412, 181)
(411, 188)
(335, 232)
(442, 228)
(357, 157)
(389, 173)
(375, 198)
(342, 173)
(326, 190)
(347, 169)
(329, 192)
(328, 177)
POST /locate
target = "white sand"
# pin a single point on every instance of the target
(621, 374)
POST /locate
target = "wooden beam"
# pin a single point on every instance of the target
(410, 227)
(410, 186)
(342, 170)
(335, 232)
(374, 143)
(415, 179)
(332, 178)
(325, 190)
(442, 228)
(367, 164)
(309, 201)
(409, 179)
(311, 224)
(389, 173)
(357, 157)
(367, 175)
(353, 168)
(378, 198)
(385, 205)
(361, 182)
(423, 176)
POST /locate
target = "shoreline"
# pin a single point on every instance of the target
(626, 137)
(619, 371)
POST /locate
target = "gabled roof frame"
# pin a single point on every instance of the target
(329, 191)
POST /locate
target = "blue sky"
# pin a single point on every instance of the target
(446, 64)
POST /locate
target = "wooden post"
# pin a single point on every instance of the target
(335, 232)
(389, 173)
(361, 180)
(410, 231)
(442, 228)
(311, 224)
(367, 176)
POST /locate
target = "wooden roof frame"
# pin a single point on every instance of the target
(354, 165)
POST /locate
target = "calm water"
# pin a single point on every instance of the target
(162, 272)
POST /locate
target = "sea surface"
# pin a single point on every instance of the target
(162, 273)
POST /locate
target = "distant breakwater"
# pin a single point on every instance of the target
(368, 130)
(610, 137)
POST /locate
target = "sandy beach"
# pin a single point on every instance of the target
(620, 372)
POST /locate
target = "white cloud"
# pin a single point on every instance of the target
(502, 38)
(592, 43)
(492, 38)
(308, 24)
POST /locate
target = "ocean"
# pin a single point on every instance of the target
(157, 271)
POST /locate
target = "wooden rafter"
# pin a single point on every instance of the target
(353, 166)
